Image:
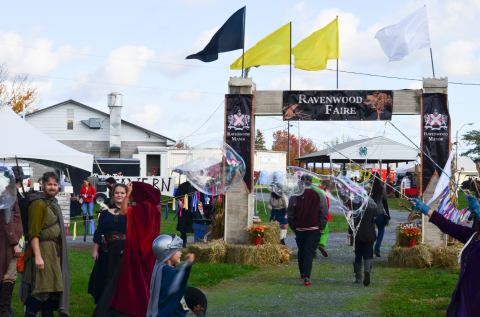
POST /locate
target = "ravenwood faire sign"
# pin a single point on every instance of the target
(324, 105)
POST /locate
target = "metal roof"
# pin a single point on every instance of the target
(370, 150)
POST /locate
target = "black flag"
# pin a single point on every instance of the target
(229, 37)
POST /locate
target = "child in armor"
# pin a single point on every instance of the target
(169, 278)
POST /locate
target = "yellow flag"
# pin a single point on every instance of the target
(313, 52)
(271, 50)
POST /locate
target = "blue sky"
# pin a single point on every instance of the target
(85, 50)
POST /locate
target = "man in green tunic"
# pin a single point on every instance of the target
(46, 276)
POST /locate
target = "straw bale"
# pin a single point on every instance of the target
(272, 233)
(418, 256)
(212, 252)
(446, 256)
(260, 255)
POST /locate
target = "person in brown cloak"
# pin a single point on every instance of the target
(46, 280)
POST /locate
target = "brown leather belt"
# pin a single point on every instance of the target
(115, 236)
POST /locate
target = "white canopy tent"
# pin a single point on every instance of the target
(21, 140)
(371, 150)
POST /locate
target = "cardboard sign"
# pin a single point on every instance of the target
(164, 184)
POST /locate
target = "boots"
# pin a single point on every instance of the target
(6, 298)
(32, 307)
(367, 271)
(357, 268)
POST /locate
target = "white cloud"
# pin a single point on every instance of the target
(146, 116)
(189, 96)
(126, 63)
(35, 56)
(170, 63)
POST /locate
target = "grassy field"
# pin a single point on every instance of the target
(418, 292)
(80, 262)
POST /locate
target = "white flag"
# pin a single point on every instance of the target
(444, 180)
(399, 40)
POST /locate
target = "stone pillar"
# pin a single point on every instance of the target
(239, 202)
(431, 235)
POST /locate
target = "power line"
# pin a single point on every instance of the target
(203, 65)
(397, 77)
(205, 122)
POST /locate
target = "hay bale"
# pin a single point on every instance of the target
(418, 256)
(261, 255)
(272, 233)
(212, 252)
(446, 256)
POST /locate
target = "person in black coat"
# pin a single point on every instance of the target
(382, 219)
(184, 215)
(364, 239)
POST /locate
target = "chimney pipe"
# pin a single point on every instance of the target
(115, 103)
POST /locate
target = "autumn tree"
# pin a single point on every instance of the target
(259, 140)
(280, 143)
(16, 92)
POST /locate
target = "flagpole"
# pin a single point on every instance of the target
(337, 52)
(337, 73)
(431, 58)
(290, 88)
(243, 44)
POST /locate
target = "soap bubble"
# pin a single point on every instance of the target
(212, 168)
(344, 195)
(8, 191)
(281, 183)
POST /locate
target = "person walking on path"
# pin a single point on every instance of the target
(278, 206)
(465, 298)
(46, 279)
(322, 246)
(382, 218)
(10, 234)
(307, 216)
(87, 195)
(364, 239)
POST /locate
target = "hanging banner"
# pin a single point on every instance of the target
(239, 130)
(435, 136)
(339, 105)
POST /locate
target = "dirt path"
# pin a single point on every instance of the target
(279, 291)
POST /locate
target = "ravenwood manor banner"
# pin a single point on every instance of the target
(239, 130)
(435, 136)
(340, 105)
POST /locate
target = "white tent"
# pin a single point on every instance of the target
(20, 139)
(406, 168)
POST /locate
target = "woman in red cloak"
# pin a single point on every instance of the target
(143, 226)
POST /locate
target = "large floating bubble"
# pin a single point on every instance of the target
(212, 168)
(8, 191)
(281, 183)
(344, 195)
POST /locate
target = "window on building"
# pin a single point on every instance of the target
(153, 165)
(70, 117)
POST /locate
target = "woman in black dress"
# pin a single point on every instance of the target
(109, 240)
